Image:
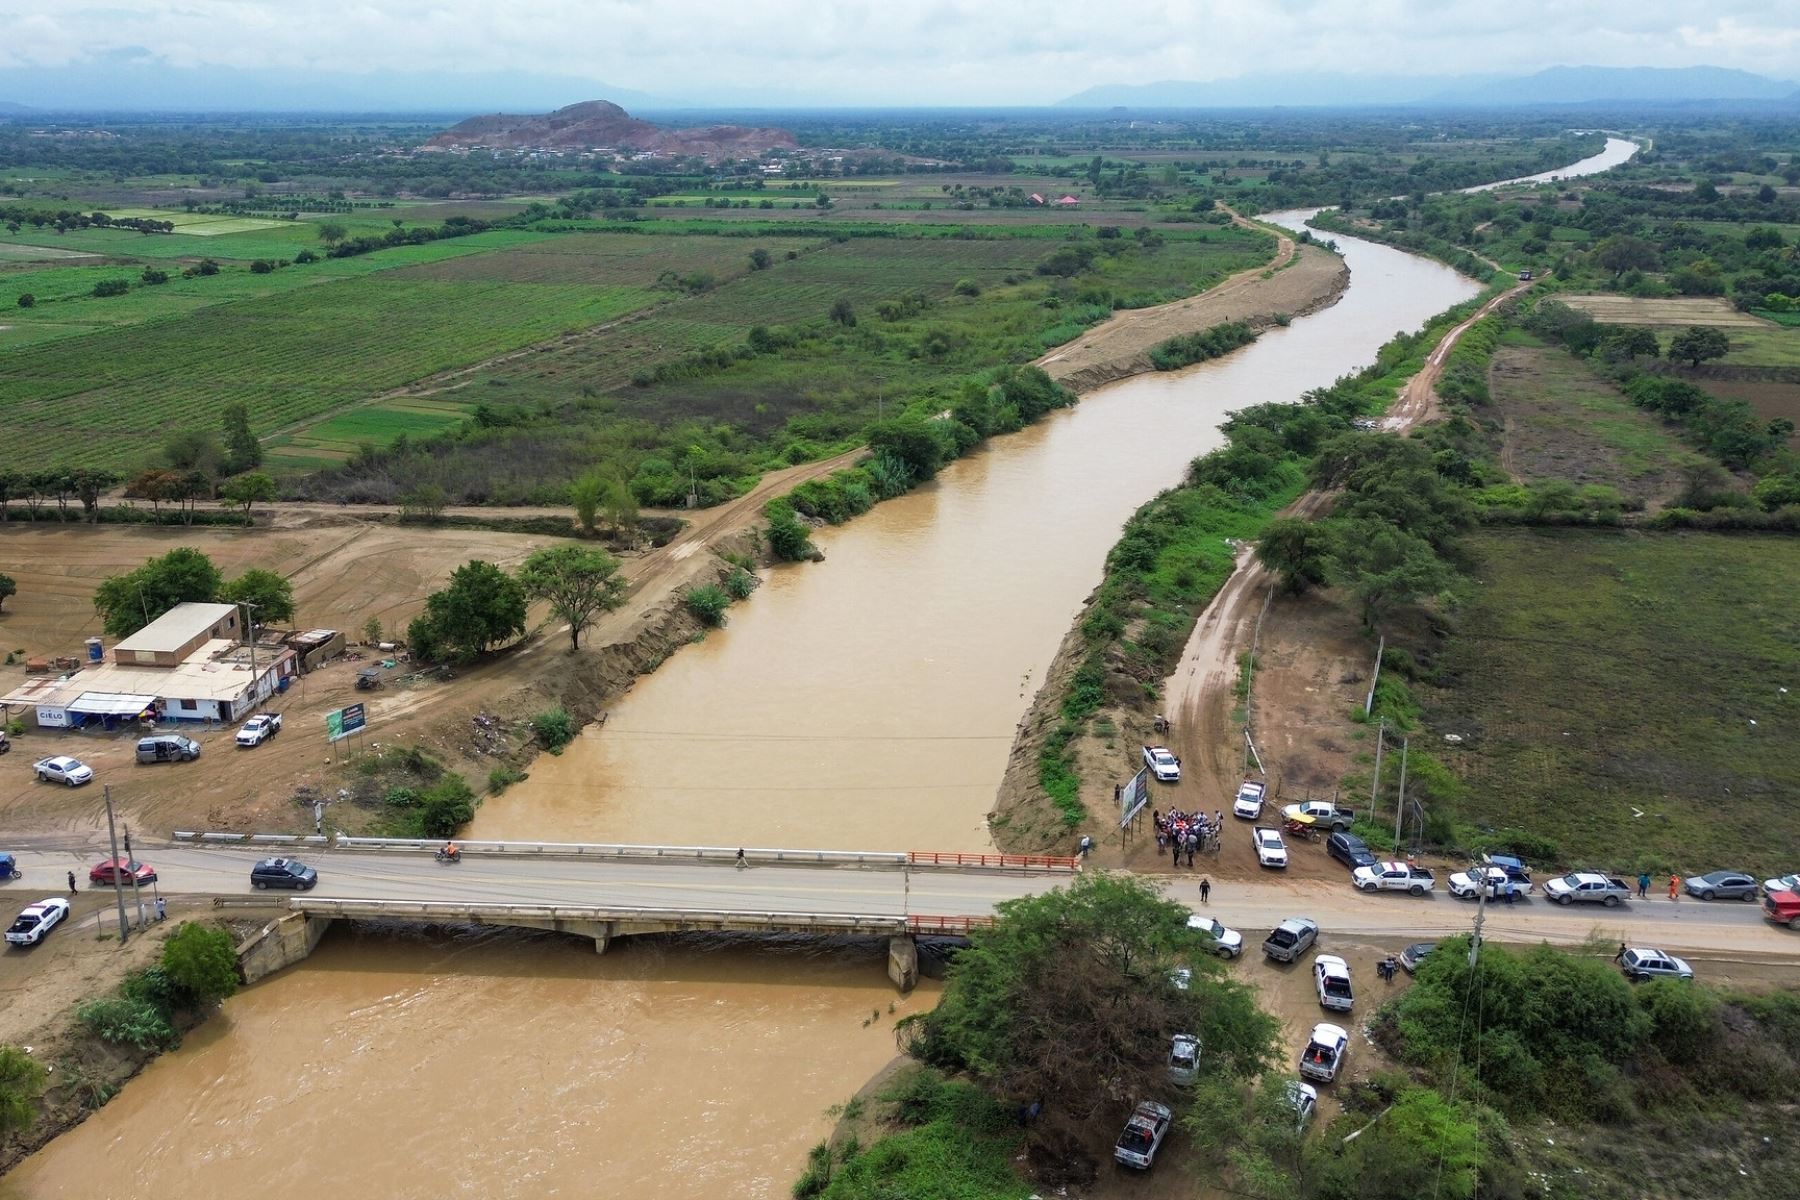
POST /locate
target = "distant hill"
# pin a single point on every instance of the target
(1557, 85)
(9, 108)
(1587, 85)
(597, 123)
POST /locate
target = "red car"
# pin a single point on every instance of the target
(103, 872)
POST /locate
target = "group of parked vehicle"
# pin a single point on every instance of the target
(155, 748)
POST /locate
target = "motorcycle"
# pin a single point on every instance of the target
(449, 856)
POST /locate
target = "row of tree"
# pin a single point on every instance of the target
(483, 606)
(126, 603)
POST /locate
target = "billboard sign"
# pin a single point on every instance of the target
(342, 722)
(1133, 796)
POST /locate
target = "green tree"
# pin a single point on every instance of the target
(27, 300)
(89, 483)
(423, 502)
(331, 233)
(914, 441)
(1632, 340)
(1297, 550)
(202, 962)
(843, 313)
(620, 506)
(1698, 343)
(21, 1083)
(585, 494)
(1622, 252)
(194, 450)
(1421, 1146)
(269, 595)
(246, 490)
(445, 806)
(579, 582)
(242, 450)
(8, 587)
(126, 603)
(1387, 566)
(760, 259)
(482, 607)
(1070, 998)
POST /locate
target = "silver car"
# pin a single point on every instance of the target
(1723, 885)
(1641, 962)
(63, 769)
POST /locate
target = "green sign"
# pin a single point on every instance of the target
(342, 722)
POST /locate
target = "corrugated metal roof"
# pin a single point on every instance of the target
(176, 628)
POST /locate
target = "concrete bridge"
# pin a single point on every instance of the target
(599, 891)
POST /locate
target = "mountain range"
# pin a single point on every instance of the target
(599, 123)
(1556, 85)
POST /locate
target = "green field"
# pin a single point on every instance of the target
(1598, 675)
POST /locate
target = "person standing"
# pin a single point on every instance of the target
(1620, 956)
(162, 909)
(1674, 886)
(1643, 885)
(71, 883)
(1205, 890)
(742, 862)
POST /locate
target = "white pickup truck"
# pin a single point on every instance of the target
(1394, 877)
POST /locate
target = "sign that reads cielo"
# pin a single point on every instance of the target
(342, 722)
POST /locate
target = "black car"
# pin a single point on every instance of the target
(283, 872)
(1350, 850)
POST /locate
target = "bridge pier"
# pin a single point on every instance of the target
(903, 962)
(281, 943)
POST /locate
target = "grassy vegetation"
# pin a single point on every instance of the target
(1599, 675)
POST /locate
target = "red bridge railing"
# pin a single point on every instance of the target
(1040, 862)
(947, 925)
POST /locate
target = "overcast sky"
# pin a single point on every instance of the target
(919, 52)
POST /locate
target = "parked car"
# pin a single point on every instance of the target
(35, 920)
(9, 868)
(1227, 942)
(1322, 813)
(1249, 801)
(1350, 850)
(259, 729)
(1304, 1098)
(1722, 885)
(1394, 877)
(1162, 763)
(1413, 955)
(283, 872)
(167, 747)
(1783, 908)
(1781, 883)
(1331, 979)
(1590, 887)
(1324, 1055)
(63, 769)
(1489, 881)
(105, 872)
(1143, 1135)
(1514, 867)
(1182, 978)
(1290, 939)
(1643, 963)
(1184, 1059)
(1271, 851)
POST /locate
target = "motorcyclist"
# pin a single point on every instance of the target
(450, 852)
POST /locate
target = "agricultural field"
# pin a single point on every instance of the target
(1633, 697)
(194, 224)
(1562, 420)
(1687, 310)
(1769, 400)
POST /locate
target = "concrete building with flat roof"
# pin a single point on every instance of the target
(169, 640)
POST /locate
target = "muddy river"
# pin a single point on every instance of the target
(867, 702)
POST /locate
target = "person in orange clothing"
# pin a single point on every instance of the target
(1674, 887)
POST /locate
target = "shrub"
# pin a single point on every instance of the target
(445, 806)
(111, 287)
(27, 300)
(201, 962)
(503, 777)
(21, 1083)
(261, 266)
(740, 583)
(554, 728)
(127, 1022)
(708, 603)
(789, 540)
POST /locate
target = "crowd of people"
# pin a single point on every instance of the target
(1183, 833)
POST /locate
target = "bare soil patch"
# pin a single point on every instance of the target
(1768, 400)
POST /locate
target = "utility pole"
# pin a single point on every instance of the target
(137, 897)
(112, 839)
(1375, 787)
(1400, 807)
(1480, 911)
(250, 637)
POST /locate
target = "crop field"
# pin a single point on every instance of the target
(201, 224)
(1766, 346)
(1633, 697)
(1564, 421)
(1689, 310)
(12, 252)
(613, 259)
(1767, 400)
(336, 438)
(107, 398)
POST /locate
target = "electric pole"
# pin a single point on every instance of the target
(137, 897)
(112, 839)
(1481, 891)
(1375, 787)
(1400, 806)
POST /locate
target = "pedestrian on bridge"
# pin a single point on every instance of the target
(1205, 890)
(742, 862)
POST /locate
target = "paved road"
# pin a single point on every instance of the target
(1251, 906)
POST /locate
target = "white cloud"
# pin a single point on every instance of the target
(927, 52)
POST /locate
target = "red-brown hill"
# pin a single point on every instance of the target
(598, 124)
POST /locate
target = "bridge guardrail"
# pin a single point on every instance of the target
(1029, 862)
(947, 925)
(578, 912)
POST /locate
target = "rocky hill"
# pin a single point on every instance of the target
(596, 123)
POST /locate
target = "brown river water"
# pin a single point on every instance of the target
(867, 702)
